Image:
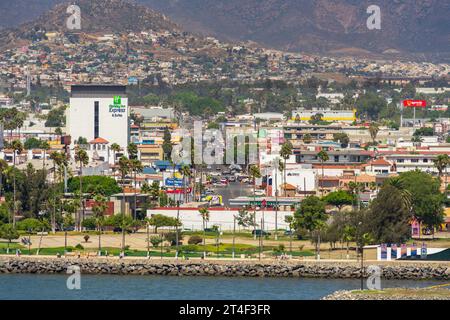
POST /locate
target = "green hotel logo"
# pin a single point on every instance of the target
(117, 109)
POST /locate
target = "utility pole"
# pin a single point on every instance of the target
(176, 232)
(234, 236)
(276, 197)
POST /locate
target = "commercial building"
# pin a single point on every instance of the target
(327, 115)
(99, 111)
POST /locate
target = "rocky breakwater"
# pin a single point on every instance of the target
(307, 269)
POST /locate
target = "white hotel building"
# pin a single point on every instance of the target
(99, 113)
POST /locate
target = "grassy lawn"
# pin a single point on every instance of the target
(413, 293)
(224, 250)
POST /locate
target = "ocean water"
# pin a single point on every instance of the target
(113, 287)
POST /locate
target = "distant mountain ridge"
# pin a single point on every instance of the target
(319, 26)
(409, 28)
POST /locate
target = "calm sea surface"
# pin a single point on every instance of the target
(102, 287)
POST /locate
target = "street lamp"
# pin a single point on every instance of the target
(176, 232)
(276, 165)
(361, 244)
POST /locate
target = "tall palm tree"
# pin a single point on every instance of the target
(132, 151)
(17, 147)
(373, 130)
(99, 209)
(136, 167)
(186, 172)
(124, 169)
(407, 198)
(82, 158)
(115, 148)
(204, 213)
(348, 235)
(323, 157)
(441, 163)
(45, 146)
(255, 173)
(3, 168)
(285, 153)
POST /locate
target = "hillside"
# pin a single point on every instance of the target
(321, 26)
(105, 16)
(409, 28)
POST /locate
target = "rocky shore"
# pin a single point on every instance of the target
(392, 294)
(306, 269)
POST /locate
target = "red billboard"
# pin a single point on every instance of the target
(414, 103)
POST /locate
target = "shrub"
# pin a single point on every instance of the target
(89, 223)
(79, 247)
(195, 240)
(86, 238)
(172, 238)
(155, 241)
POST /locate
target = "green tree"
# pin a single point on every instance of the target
(167, 144)
(373, 130)
(159, 221)
(95, 184)
(285, 153)
(311, 216)
(339, 199)
(132, 151)
(323, 157)
(204, 213)
(82, 158)
(99, 208)
(135, 167)
(342, 138)
(17, 149)
(427, 199)
(115, 148)
(8, 232)
(389, 217)
(255, 173)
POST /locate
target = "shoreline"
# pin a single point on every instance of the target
(225, 268)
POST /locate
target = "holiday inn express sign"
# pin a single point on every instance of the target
(117, 108)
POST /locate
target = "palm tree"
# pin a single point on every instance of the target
(255, 173)
(124, 169)
(373, 130)
(82, 158)
(132, 151)
(285, 153)
(323, 157)
(347, 236)
(186, 172)
(17, 147)
(45, 146)
(99, 209)
(136, 167)
(407, 199)
(441, 163)
(3, 168)
(417, 140)
(115, 148)
(204, 213)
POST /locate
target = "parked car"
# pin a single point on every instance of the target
(260, 232)
(232, 179)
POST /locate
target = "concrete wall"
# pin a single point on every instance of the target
(191, 218)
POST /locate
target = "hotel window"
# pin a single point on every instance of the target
(96, 120)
